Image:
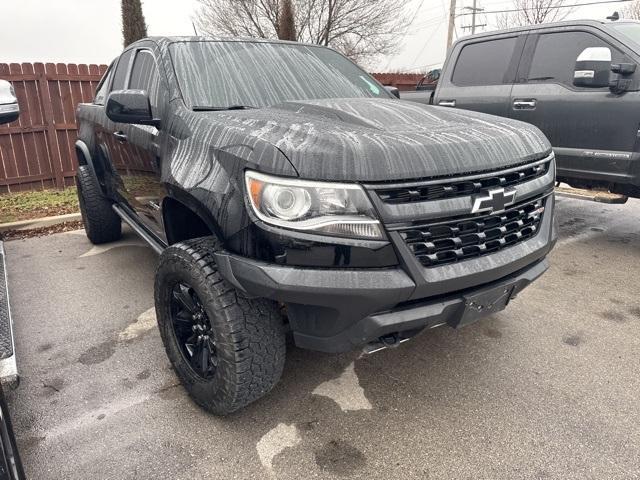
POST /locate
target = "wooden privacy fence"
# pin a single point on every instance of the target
(37, 151)
(403, 81)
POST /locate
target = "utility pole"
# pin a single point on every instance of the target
(473, 17)
(474, 11)
(452, 22)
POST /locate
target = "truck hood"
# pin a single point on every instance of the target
(371, 140)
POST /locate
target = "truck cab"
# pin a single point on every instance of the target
(576, 81)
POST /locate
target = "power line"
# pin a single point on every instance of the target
(415, 14)
(429, 38)
(573, 5)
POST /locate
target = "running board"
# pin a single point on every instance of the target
(599, 196)
(146, 236)
(8, 365)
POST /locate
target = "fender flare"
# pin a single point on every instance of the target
(185, 198)
(82, 152)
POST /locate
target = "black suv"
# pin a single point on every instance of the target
(286, 189)
(576, 81)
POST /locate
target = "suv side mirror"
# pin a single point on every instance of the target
(593, 66)
(9, 108)
(393, 91)
(130, 106)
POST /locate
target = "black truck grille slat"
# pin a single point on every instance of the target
(457, 188)
(449, 242)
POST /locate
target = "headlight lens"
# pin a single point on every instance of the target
(330, 208)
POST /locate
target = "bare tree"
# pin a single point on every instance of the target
(133, 25)
(287, 21)
(632, 11)
(533, 12)
(361, 29)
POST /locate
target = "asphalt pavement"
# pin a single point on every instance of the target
(547, 389)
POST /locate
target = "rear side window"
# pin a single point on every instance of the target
(101, 91)
(555, 56)
(120, 75)
(484, 63)
(144, 76)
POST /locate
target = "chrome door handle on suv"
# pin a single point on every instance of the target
(529, 104)
(447, 103)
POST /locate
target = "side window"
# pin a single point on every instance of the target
(144, 76)
(101, 90)
(120, 75)
(555, 56)
(484, 63)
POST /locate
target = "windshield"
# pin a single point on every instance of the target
(260, 74)
(629, 30)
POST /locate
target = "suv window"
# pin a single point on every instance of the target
(556, 53)
(144, 76)
(484, 63)
(101, 90)
(121, 71)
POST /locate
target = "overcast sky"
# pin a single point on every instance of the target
(89, 31)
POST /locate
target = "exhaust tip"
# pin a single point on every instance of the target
(392, 340)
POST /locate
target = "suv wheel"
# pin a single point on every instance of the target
(101, 223)
(228, 350)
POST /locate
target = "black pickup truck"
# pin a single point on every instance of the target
(286, 190)
(574, 80)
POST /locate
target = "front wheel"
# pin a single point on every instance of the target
(228, 350)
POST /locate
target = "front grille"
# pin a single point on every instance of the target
(453, 241)
(461, 187)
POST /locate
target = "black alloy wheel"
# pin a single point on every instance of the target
(227, 349)
(192, 328)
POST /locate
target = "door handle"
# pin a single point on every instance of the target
(447, 103)
(524, 104)
(120, 136)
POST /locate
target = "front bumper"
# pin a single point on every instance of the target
(335, 310)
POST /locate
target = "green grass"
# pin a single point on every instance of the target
(45, 203)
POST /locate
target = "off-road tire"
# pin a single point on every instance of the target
(101, 223)
(249, 333)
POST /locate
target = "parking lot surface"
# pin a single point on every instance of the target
(547, 389)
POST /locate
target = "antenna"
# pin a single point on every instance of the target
(194, 28)
(614, 17)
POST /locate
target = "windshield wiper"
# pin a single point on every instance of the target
(206, 108)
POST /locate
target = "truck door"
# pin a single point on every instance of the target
(592, 129)
(480, 73)
(138, 165)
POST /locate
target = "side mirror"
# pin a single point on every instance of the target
(393, 91)
(593, 66)
(428, 87)
(130, 106)
(9, 108)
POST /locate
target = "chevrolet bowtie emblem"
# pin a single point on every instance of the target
(494, 201)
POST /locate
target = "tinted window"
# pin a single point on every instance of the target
(121, 71)
(101, 91)
(484, 63)
(259, 74)
(555, 57)
(144, 76)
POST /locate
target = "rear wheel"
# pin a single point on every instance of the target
(101, 223)
(228, 350)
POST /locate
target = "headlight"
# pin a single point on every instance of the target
(330, 208)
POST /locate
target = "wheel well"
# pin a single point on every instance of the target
(181, 223)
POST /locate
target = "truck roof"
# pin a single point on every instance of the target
(544, 26)
(165, 40)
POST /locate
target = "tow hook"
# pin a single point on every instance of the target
(382, 343)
